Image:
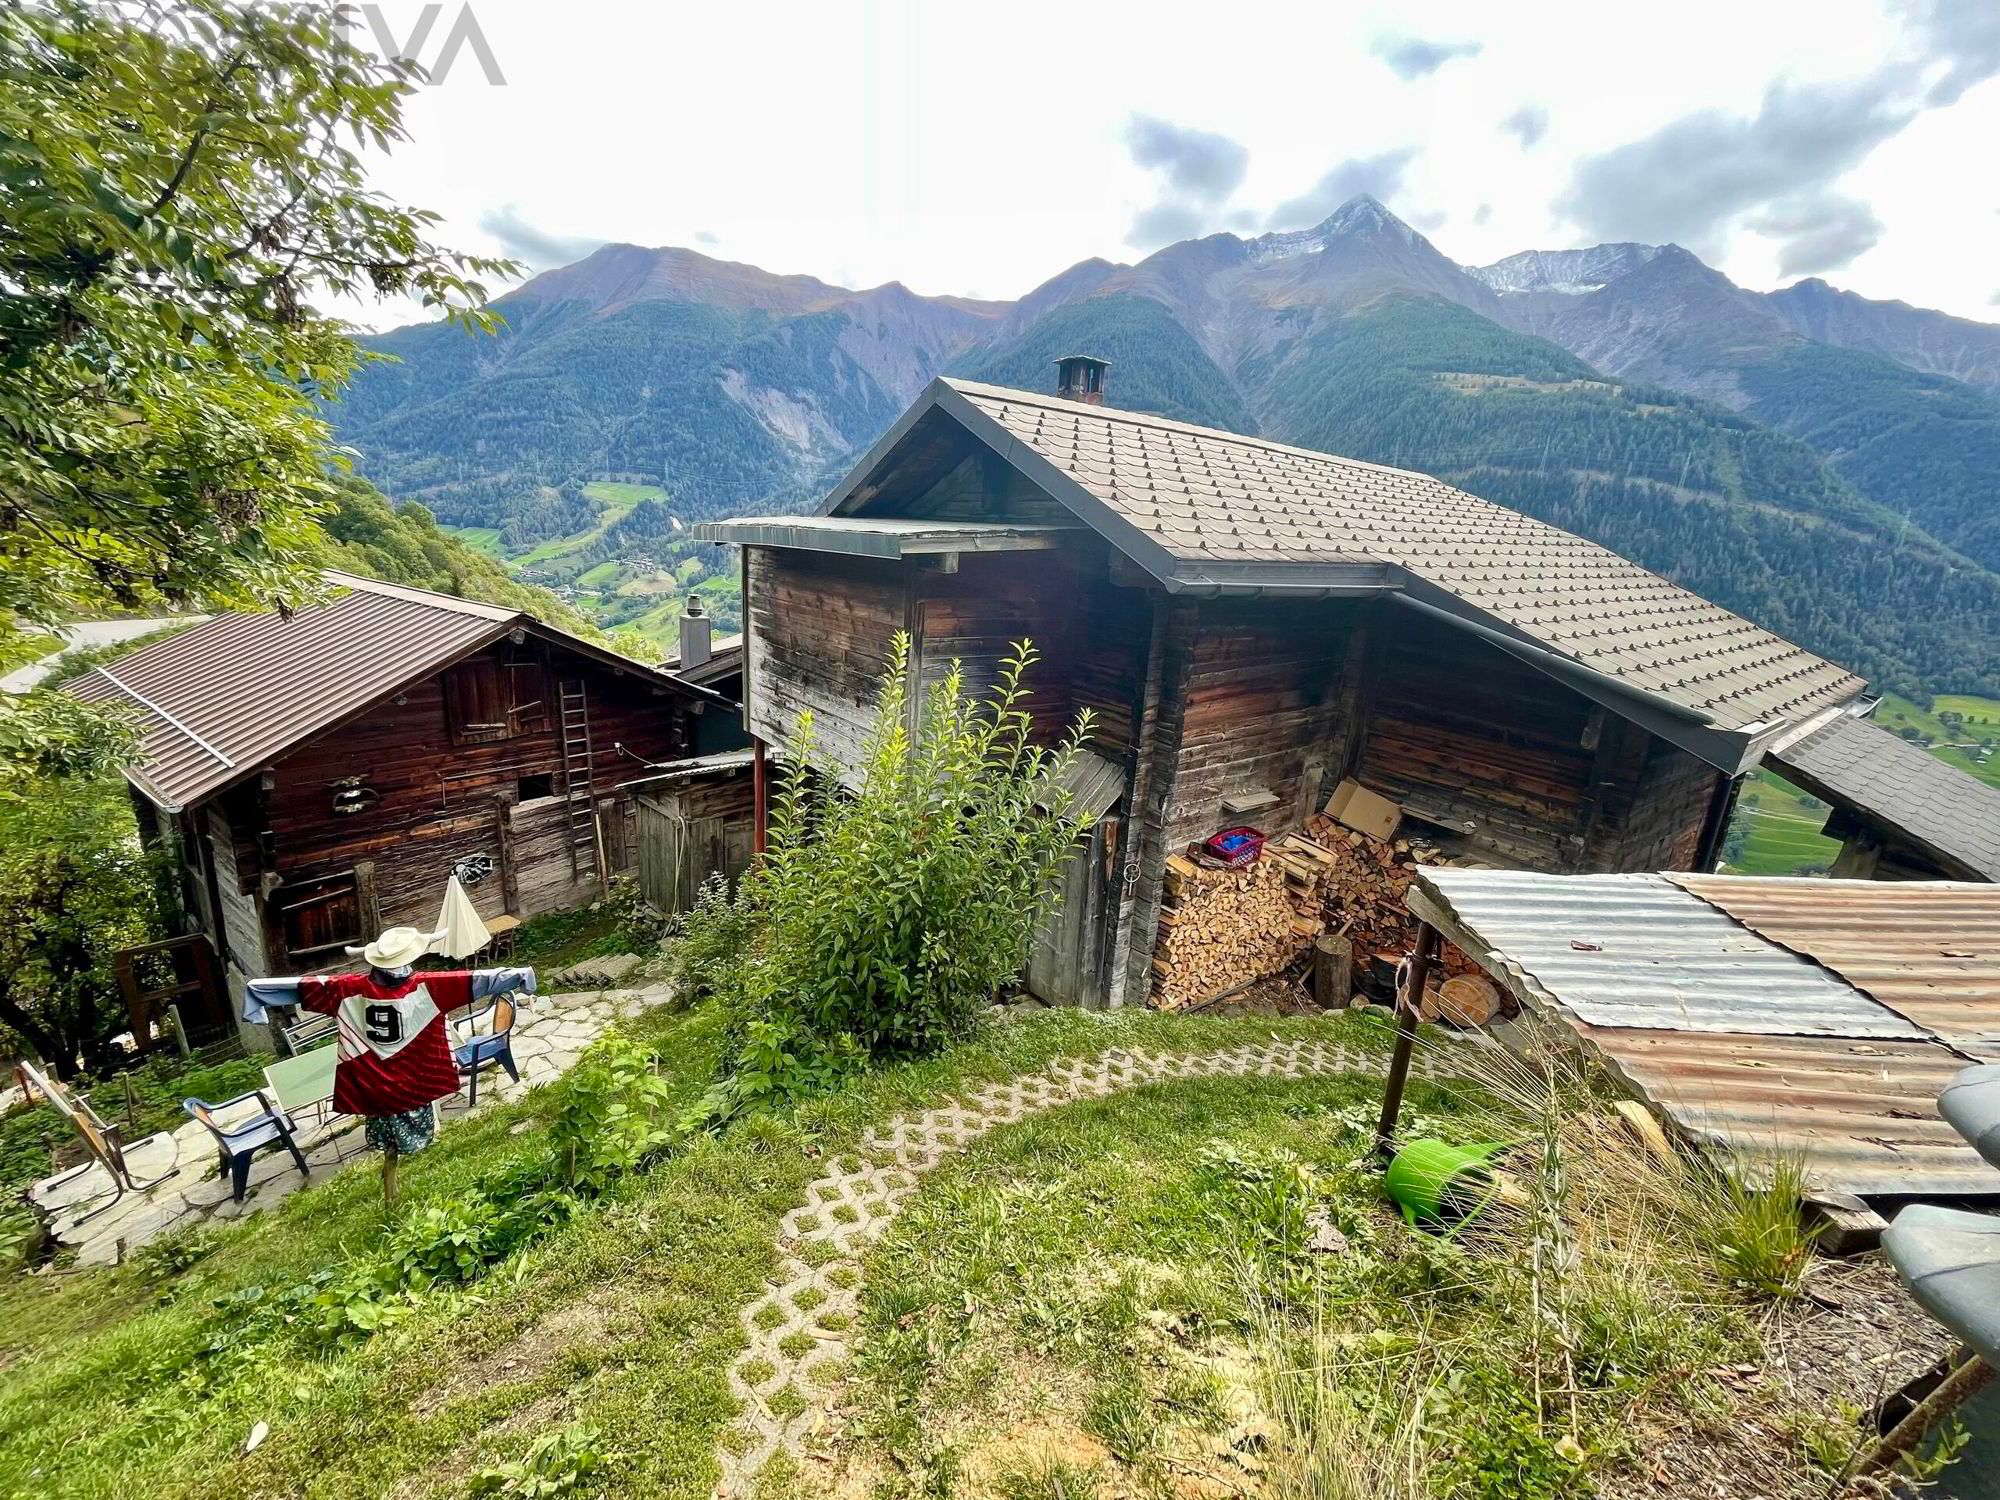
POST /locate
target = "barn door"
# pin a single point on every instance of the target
(662, 842)
(1066, 962)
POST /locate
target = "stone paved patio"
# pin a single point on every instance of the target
(549, 1035)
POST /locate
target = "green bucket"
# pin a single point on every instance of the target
(1428, 1178)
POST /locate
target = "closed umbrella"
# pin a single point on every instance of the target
(462, 934)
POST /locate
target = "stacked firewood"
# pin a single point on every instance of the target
(1222, 928)
(1368, 883)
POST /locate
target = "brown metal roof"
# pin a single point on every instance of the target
(1928, 950)
(1882, 776)
(219, 701)
(1863, 1114)
(1204, 508)
(1741, 1036)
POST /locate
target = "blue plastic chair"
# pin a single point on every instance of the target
(494, 1044)
(243, 1139)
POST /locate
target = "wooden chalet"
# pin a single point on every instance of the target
(1255, 625)
(321, 776)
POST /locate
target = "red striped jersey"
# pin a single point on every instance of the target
(394, 1052)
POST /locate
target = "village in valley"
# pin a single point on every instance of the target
(1297, 869)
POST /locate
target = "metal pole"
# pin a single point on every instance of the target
(1408, 998)
(760, 795)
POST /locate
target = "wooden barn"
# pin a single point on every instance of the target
(1261, 631)
(321, 776)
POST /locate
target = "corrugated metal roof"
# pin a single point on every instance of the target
(1636, 951)
(1714, 1024)
(1858, 764)
(220, 700)
(1862, 1114)
(1199, 505)
(1928, 950)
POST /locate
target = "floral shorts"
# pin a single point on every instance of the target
(408, 1132)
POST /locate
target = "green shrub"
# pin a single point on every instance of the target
(883, 917)
(557, 1463)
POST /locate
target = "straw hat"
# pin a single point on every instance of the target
(398, 948)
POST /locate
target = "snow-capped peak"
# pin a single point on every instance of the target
(1573, 272)
(1359, 215)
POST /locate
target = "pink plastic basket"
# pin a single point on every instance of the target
(1236, 847)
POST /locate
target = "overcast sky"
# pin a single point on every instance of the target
(981, 148)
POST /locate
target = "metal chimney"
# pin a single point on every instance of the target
(1080, 377)
(695, 627)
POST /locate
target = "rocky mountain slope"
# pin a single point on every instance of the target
(1789, 454)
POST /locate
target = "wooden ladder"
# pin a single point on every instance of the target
(574, 709)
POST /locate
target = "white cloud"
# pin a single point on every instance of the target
(930, 145)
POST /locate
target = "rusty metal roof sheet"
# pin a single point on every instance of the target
(219, 701)
(1638, 951)
(1746, 1010)
(1862, 1114)
(1928, 950)
(1201, 507)
(1858, 764)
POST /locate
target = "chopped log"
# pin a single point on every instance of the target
(1333, 971)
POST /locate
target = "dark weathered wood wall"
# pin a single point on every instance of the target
(441, 800)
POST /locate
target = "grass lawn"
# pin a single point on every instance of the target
(149, 1379)
(480, 538)
(1956, 745)
(1779, 834)
(1198, 1291)
(617, 501)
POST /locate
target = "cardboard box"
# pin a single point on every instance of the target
(1352, 805)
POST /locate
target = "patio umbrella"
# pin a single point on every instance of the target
(463, 933)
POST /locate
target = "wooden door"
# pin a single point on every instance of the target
(677, 853)
(1068, 957)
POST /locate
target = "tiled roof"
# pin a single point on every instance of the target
(217, 702)
(1214, 501)
(1862, 765)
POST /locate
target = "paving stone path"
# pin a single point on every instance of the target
(800, 1330)
(549, 1035)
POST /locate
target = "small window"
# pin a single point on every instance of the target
(321, 918)
(528, 788)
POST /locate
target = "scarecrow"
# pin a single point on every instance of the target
(394, 1053)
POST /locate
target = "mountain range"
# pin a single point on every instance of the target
(1816, 460)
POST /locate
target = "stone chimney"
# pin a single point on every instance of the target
(695, 625)
(1080, 377)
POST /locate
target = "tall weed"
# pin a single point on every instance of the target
(896, 895)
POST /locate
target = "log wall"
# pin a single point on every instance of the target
(1467, 736)
(439, 801)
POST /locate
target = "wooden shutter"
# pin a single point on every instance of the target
(477, 700)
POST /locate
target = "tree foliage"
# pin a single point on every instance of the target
(180, 184)
(75, 887)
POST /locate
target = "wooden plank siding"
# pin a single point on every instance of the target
(1469, 737)
(818, 630)
(1261, 694)
(442, 799)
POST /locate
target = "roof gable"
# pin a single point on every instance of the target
(1207, 511)
(220, 700)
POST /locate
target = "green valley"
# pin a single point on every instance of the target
(628, 570)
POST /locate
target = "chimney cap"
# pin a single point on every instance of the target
(1080, 377)
(694, 605)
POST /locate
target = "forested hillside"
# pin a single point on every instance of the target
(1826, 490)
(1158, 366)
(404, 544)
